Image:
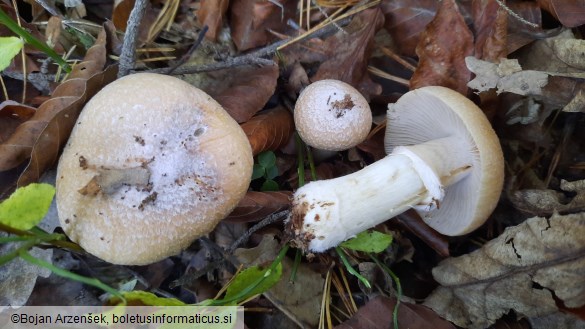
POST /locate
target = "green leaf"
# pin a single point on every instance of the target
(269, 185)
(249, 276)
(9, 47)
(27, 206)
(258, 171)
(372, 241)
(271, 172)
(267, 159)
(145, 298)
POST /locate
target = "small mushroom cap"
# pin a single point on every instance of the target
(430, 113)
(332, 115)
(152, 164)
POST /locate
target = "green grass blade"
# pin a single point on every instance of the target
(14, 27)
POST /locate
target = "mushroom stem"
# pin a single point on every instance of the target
(327, 212)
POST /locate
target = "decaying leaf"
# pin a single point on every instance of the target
(377, 314)
(526, 269)
(539, 202)
(349, 51)
(441, 56)
(211, 13)
(507, 76)
(257, 205)
(243, 91)
(301, 300)
(13, 114)
(41, 137)
(559, 55)
(269, 131)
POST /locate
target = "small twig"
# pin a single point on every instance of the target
(128, 55)
(515, 15)
(253, 58)
(188, 55)
(263, 223)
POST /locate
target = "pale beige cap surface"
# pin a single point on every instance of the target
(152, 164)
(332, 115)
(430, 113)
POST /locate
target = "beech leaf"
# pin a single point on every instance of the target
(530, 268)
(9, 47)
(42, 137)
(257, 205)
(211, 13)
(441, 55)
(243, 91)
(27, 206)
(269, 131)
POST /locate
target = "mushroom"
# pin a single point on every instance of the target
(332, 115)
(152, 164)
(445, 161)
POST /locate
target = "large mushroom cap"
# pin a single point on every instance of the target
(430, 113)
(152, 164)
(332, 115)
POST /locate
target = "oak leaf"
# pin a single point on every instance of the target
(529, 269)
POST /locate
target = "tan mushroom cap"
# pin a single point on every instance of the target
(152, 164)
(431, 113)
(332, 115)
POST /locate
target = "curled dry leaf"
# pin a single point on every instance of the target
(529, 268)
(269, 131)
(13, 114)
(546, 202)
(441, 55)
(569, 13)
(348, 52)
(377, 314)
(257, 205)
(405, 21)
(211, 13)
(243, 91)
(41, 137)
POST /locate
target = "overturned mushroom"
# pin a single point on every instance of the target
(446, 162)
(152, 164)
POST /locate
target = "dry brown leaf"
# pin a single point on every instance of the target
(41, 137)
(441, 54)
(405, 21)
(490, 22)
(569, 13)
(526, 269)
(377, 314)
(243, 91)
(13, 114)
(251, 20)
(349, 52)
(269, 131)
(558, 54)
(257, 205)
(212, 13)
(301, 300)
(519, 33)
(537, 202)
